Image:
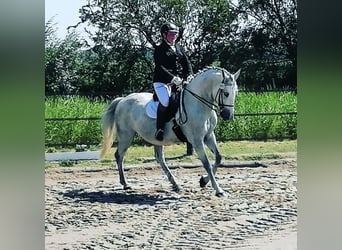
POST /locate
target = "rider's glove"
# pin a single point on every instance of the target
(176, 81)
(188, 79)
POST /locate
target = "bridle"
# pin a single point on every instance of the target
(218, 97)
(212, 105)
(220, 93)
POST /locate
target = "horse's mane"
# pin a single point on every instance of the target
(204, 70)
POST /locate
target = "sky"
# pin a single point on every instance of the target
(65, 13)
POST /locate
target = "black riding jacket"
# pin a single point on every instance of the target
(169, 63)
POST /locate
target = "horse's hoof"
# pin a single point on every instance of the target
(127, 187)
(221, 194)
(176, 188)
(203, 183)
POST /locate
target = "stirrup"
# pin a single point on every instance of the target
(159, 135)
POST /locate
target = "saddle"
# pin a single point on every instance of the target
(174, 102)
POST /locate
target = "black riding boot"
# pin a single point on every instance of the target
(189, 149)
(161, 117)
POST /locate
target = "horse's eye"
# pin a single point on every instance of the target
(226, 94)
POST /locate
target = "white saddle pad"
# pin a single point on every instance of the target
(151, 109)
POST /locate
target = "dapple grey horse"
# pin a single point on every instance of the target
(210, 90)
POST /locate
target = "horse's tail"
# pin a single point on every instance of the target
(108, 126)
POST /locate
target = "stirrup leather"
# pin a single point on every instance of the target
(159, 135)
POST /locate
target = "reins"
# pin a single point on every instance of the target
(183, 119)
(210, 105)
(204, 101)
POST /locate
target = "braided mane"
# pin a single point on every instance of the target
(204, 70)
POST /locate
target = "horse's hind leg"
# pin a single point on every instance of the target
(210, 141)
(124, 141)
(119, 162)
(159, 154)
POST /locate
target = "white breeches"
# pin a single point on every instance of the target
(163, 92)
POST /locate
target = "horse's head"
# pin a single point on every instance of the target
(226, 94)
(216, 88)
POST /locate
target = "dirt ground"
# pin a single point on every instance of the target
(86, 207)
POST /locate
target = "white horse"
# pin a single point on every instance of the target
(210, 90)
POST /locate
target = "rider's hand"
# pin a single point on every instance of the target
(188, 79)
(176, 81)
(179, 87)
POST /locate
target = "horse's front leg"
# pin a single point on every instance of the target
(159, 154)
(210, 141)
(199, 147)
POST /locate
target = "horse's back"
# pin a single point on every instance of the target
(134, 101)
(132, 109)
(139, 98)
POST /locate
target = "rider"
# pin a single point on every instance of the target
(172, 65)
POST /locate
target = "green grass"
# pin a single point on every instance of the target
(265, 102)
(242, 150)
(251, 127)
(73, 131)
(229, 150)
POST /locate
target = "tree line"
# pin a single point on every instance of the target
(258, 36)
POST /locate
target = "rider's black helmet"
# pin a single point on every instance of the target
(168, 27)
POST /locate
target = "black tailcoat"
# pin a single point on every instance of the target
(170, 63)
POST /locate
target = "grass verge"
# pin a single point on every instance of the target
(241, 150)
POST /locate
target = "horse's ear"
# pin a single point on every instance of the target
(236, 75)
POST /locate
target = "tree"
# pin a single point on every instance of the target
(62, 62)
(258, 36)
(267, 42)
(129, 30)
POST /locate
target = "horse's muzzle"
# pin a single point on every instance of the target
(227, 114)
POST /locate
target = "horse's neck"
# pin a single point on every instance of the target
(205, 85)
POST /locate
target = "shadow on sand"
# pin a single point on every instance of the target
(118, 197)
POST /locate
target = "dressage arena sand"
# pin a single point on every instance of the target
(86, 207)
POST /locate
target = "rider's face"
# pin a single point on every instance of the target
(171, 36)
